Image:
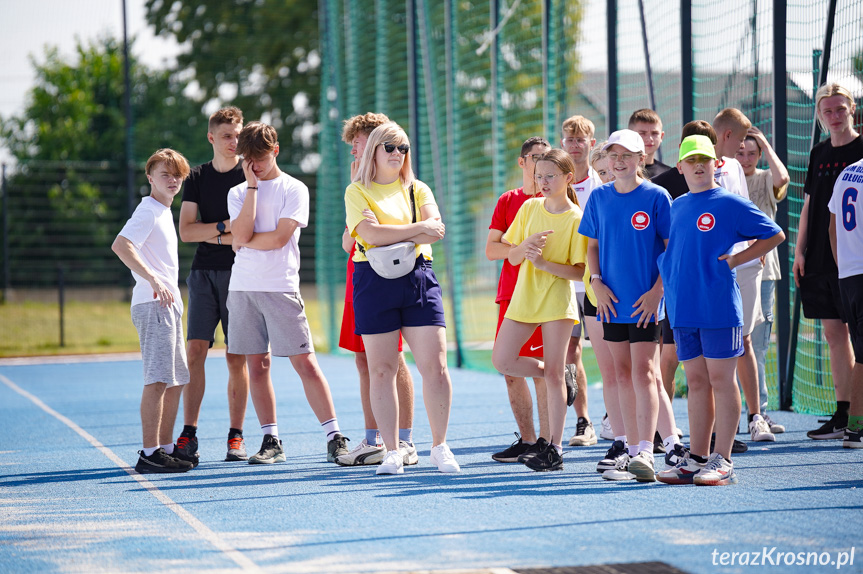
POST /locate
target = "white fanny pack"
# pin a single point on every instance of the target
(396, 260)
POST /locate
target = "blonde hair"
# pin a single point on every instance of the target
(731, 119)
(826, 91)
(597, 153)
(389, 132)
(578, 125)
(174, 162)
(563, 161)
(644, 116)
(363, 124)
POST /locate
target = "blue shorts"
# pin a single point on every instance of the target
(724, 343)
(385, 305)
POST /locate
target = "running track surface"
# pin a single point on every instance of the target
(69, 501)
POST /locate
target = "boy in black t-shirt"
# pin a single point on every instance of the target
(815, 271)
(649, 126)
(206, 193)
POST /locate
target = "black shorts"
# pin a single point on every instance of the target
(819, 294)
(589, 309)
(667, 331)
(208, 303)
(851, 290)
(631, 332)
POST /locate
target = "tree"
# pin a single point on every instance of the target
(261, 56)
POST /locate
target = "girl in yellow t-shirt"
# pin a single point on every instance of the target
(544, 239)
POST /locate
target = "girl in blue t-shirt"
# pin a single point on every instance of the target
(626, 223)
(705, 309)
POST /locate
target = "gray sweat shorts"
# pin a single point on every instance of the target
(160, 330)
(264, 322)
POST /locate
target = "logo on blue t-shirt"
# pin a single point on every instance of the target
(705, 222)
(640, 220)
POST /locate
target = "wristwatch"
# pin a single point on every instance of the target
(595, 276)
(220, 227)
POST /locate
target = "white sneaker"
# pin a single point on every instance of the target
(605, 433)
(775, 427)
(364, 453)
(409, 452)
(642, 466)
(443, 459)
(760, 430)
(619, 472)
(584, 433)
(393, 463)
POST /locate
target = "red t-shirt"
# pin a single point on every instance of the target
(504, 214)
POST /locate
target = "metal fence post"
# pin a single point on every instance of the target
(687, 84)
(5, 224)
(611, 91)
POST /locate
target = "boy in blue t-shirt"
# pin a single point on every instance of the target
(704, 306)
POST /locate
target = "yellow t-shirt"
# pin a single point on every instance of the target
(540, 296)
(390, 203)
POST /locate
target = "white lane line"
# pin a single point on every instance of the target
(238, 557)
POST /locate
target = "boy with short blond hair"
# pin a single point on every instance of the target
(267, 213)
(648, 125)
(147, 245)
(578, 140)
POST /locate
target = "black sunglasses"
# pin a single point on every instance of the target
(390, 148)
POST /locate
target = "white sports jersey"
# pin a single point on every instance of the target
(846, 204)
(729, 174)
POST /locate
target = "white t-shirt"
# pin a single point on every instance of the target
(275, 270)
(151, 230)
(847, 204)
(583, 190)
(729, 174)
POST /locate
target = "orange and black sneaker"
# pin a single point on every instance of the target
(186, 449)
(236, 448)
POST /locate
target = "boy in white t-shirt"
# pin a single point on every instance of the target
(846, 238)
(264, 302)
(147, 245)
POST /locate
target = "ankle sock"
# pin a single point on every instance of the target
(645, 445)
(842, 408)
(696, 458)
(169, 448)
(855, 423)
(271, 429)
(407, 435)
(150, 451)
(331, 427)
(632, 449)
(750, 417)
(373, 437)
(232, 433)
(558, 448)
(669, 442)
(189, 431)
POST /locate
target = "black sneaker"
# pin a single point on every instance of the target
(853, 439)
(617, 449)
(833, 428)
(546, 459)
(737, 446)
(336, 447)
(571, 383)
(160, 462)
(532, 450)
(271, 451)
(186, 448)
(658, 447)
(511, 454)
(675, 455)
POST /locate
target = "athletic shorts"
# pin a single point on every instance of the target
(631, 332)
(385, 305)
(851, 289)
(268, 322)
(667, 331)
(712, 343)
(208, 303)
(348, 340)
(819, 294)
(749, 282)
(533, 347)
(580, 298)
(160, 330)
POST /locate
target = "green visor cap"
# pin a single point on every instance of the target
(696, 145)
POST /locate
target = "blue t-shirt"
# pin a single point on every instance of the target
(631, 229)
(700, 290)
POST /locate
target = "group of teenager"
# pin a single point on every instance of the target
(590, 239)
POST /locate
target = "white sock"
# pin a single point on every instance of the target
(632, 449)
(645, 445)
(271, 429)
(169, 448)
(621, 439)
(558, 448)
(331, 427)
(151, 450)
(670, 441)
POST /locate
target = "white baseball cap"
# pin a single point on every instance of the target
(626, 138)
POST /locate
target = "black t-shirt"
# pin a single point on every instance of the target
(673, 182)
(655, 169)
(209, 189)
(825, 164)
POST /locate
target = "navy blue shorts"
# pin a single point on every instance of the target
(851, 289)
(712, 343)
(385, 305)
